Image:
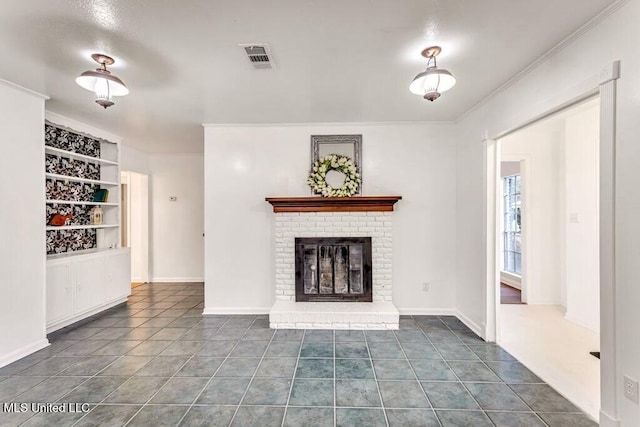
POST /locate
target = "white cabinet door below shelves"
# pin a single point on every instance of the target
(59, 292)
(118, 276)
(90, 283)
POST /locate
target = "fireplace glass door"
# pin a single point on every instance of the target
(333, 269)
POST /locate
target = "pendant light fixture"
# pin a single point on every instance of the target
(104, 84)
(433, 81)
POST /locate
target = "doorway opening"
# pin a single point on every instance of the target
(548, 250)
(135, 223)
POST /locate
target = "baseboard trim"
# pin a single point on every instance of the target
(59, 324)
(177, 279)
(477, 329)
(607, 421)
(23, 352)
(426, 311)
(235, 310)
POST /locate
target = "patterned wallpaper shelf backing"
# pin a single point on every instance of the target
(58, 189)
(79, 214)
(61, 165)
(70, 141)
(59, 241)
(64, 240)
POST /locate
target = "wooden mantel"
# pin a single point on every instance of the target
(333, 204)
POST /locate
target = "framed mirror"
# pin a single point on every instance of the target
(345, 145)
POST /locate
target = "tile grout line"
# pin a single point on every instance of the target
(101, 370)
(87, 378)
(491, 370)
(375, 378)
(463, 340)
(214, 373)
(131, 376)
(416, 375)
(252, 376)
(335, 391)
(295, 369)
(168, 381)
(456, 375)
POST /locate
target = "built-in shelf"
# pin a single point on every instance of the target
(80, 227)
(78, 202)
(76, 179)
(76, 156)
(333, 204)
(81, 252)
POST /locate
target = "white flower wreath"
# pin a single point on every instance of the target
(334, 162)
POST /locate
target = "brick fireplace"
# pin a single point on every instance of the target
(368, 217)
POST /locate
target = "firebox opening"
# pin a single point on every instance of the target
(333, 269)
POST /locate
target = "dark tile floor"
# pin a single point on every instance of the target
(157, 361)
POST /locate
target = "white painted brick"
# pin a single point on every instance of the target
(377, 225)
(304, 325)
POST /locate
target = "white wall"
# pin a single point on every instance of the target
(572, 70)
(245, 164)
(509, 168)
(22, 252)
(541, 148)
(581, 218)
(134, 160)
(176, 243)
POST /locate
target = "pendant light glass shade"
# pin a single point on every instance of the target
(101, 82)
(433, 81)
(98, 80)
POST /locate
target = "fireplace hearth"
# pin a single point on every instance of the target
(332, 269)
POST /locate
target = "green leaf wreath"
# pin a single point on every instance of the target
(318, 176)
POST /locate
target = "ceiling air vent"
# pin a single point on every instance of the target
(259, 55)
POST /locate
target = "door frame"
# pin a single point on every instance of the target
(604, 87)
(141, 254)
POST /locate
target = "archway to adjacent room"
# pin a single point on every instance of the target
(604, 88)
(135, 223)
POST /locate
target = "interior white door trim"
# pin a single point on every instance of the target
(606, 88)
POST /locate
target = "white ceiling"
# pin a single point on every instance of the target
(337, 60)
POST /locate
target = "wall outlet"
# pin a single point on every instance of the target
(426, 286)
(631, 389)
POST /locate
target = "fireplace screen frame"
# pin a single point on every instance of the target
(366, 273)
